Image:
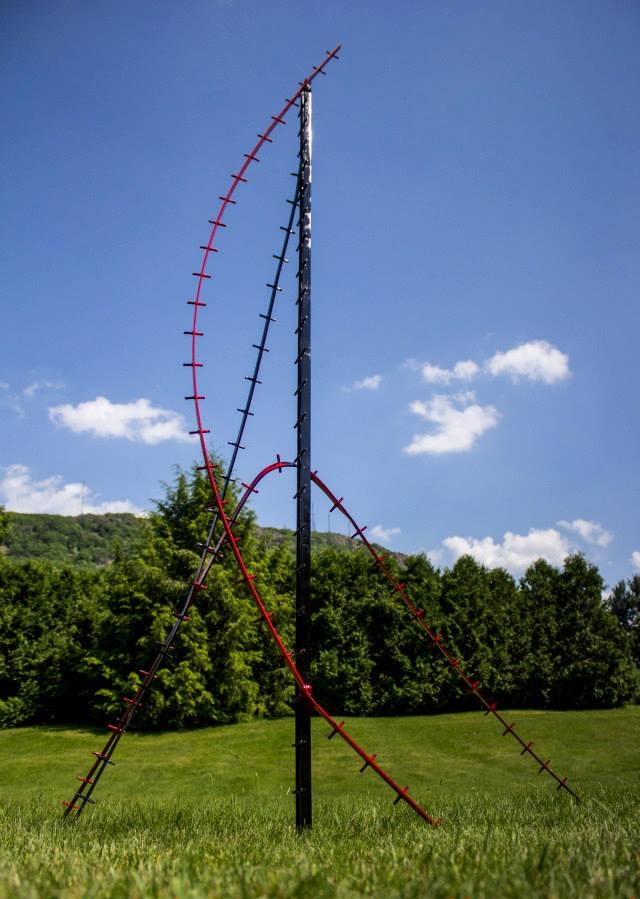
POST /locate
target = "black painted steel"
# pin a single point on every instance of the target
(210, 552)
(303, 493)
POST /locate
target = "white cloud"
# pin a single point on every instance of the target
(635, 559)
(536, 360)
(22, 494)
(385, 535)
(136, 421)
(465, 370)
(457, 429)
(516, 552)
(590, 531)
(370, 383)
(435, 556)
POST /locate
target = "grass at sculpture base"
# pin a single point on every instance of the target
(209, 813)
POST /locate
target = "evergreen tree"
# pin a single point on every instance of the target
(624, 603)
(466, 601)
(540, 662)
(595, 669)
(208, 677)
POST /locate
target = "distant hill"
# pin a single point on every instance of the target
(85, 540)
(91, 540)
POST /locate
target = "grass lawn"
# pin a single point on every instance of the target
(209, 813)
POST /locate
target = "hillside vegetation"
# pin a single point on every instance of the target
(96, 540)
(82, 540)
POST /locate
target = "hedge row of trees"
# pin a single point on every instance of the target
(72, 640)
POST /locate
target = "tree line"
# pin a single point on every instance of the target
(73, 639)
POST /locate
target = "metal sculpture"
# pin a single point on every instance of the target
(298, 660)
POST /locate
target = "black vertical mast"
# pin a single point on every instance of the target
(303, 493)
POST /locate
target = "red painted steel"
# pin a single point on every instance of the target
(211, 552)
(227, 200)
(419, 616)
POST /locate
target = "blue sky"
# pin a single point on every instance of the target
(476, 202)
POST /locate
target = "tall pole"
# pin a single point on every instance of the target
(303, 493)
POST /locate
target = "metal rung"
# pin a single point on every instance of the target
(103, 758)
(368, 762)
(209, 549)
(401, 795)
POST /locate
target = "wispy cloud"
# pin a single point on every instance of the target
(37, 386)
(15, 399)
(590, 531)
(457, 429)
(137, 421)
(635, 559)
(370, 383)
(51, 495)
(536, 360)
(384, 535)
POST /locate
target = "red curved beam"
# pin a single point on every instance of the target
(217, 222)
(250, 582)
(208, 466)
(417, 614)
(227, 522)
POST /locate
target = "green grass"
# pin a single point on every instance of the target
(210, 814)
